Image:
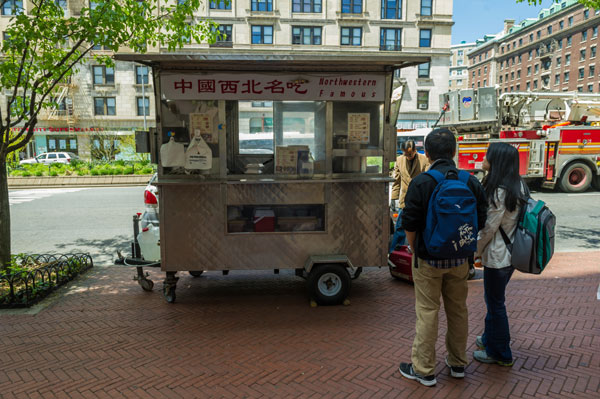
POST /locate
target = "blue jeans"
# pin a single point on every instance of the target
(399, 237)
(496, 337)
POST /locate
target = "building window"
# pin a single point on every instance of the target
(262, 34)
(224, 35)
(530, 55)
(262, 5)
(220, 5)
(592, 71)
(557, 79)
(531, 37)
(559, 44)
(306, 6)
(103, 75)
(351, 37)
(459, 63)
(586, 14)
(424, 70)
(459, 82)
(519, 58)
(539, 34)
(569, 41)
(594, 32)
(570, 21)
(307, 35)
(485, 69)
(512, 76)
(580, 89)
(426, 7)
(143, 106)
(593, 52)
(422, 99)
(561, 24)
(590, 88)
(391, 39)
(550, 30)
(500, 79)
(105, 106)
(460, 53)
(566, 77)
(527, 85)
(536, 68)
(535, 84)
(519, 74)
(558, 61)
(581, 73)
(141, 75)
(351, 6)
(568, 59)
(391, 9)
(528, 71)
(12, 7)
(520, 42)
(582, 55)
(425, 38)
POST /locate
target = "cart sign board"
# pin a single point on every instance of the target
(255, 86)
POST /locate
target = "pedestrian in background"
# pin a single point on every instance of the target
(505, 189)
(408, 165)
(434, 277)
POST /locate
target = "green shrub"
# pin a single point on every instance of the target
(147, 170)
(53, 173)
(119, 163)
(118, 170)
(128, 170)
(82, 172)
(25, 173)
(94, 172)
(38, 173)
(104, 171)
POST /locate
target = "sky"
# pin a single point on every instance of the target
(475, 18)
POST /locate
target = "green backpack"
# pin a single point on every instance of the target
(533, 244)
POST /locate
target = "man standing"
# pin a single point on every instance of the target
(407, 167)
(433, 276)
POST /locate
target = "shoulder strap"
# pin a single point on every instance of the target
(506, 240)
(436, 174)
(463, 176)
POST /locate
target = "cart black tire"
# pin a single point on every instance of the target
(147, 285)
(196, 273)
(576, 178)
(169, 294)
(329, 284)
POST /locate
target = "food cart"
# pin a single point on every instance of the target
(285, 163)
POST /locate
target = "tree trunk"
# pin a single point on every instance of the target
(4, 216)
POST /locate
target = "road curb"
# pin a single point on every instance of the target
(77, 181)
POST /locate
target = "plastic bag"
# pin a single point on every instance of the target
(172, 154)
(198, 155)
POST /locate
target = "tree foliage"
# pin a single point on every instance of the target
(595, 4)
(46, 44)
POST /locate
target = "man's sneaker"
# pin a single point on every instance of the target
(456, 371)
(406, 369)
(483, 357)
(479, 342)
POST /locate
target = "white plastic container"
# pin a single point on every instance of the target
(149, 240)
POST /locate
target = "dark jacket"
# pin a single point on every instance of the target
(414, 214)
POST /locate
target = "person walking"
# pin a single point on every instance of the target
(434, 277)
(408, 165)
(505, 189)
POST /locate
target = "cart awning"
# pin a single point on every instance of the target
(239, 61)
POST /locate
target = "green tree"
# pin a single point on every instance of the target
(46, 44)
(595, 4)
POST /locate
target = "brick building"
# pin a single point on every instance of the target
(556, 51)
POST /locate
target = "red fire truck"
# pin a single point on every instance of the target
(557, 134)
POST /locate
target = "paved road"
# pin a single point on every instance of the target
(98, 220)
(94, 220)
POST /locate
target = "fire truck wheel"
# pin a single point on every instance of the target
(329, 284)
(196, 273)
(576, 178)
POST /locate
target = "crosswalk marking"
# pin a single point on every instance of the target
(21, 196)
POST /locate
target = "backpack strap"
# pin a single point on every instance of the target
(436, 174)
(463, 176)
(507, 242)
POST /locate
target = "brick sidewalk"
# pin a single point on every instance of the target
(254, 335)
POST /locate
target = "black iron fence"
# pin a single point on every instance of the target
(31, 278)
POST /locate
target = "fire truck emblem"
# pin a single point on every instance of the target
(466, 101)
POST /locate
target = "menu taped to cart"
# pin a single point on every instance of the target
(255, 86)
(358, 127)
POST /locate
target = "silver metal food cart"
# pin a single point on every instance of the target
(300, 145)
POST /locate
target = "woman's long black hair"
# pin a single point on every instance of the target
(504, 172)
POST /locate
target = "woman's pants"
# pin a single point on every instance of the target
(496, 337)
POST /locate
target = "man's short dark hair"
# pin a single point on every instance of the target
(440, 144)
(408, 144)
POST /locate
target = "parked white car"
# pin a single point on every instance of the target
(50, 157)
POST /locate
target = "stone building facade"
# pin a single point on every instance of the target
(459, 63)
(555, 52)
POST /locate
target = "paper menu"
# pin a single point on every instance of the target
(205, 125)
(359, 127)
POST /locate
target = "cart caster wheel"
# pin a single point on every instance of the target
(196, 273)
(471, 273)
(329, 284)
(169, 294)
(147, 285)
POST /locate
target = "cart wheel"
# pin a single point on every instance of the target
(392, 274)
(329, 284)
(146, 284)
(169, 293)
(471, 272)
(196, 273)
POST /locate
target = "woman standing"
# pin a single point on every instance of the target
(504, 188)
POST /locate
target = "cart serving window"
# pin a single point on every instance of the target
(274, 163)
